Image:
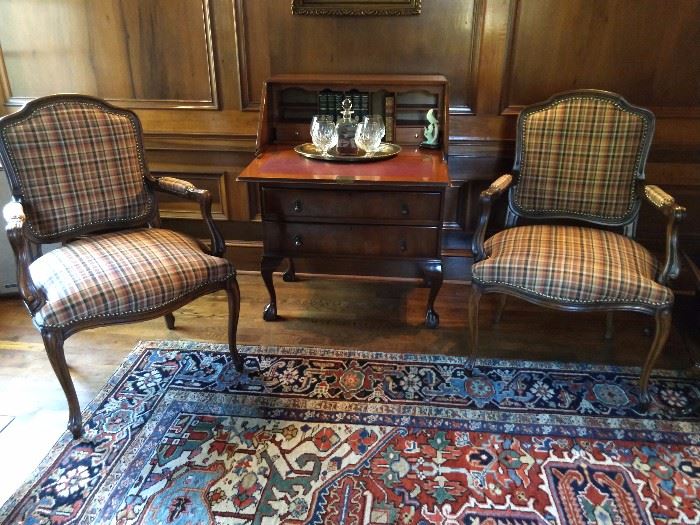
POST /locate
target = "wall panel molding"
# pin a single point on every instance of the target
(617, 46)
(107, 54)
(173, 207)
(248, 103)
(267, 22)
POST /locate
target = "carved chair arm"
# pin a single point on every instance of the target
(187, 190)
(175, 186)
(675, 213)
(487, 197)
(13, 212)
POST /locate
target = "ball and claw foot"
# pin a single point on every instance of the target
(289, 276)
(270, 312)
(432, 319)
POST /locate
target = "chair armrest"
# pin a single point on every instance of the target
(174, 186)
(487, 197)
(13, 212)
(187, 190)
(666, 204)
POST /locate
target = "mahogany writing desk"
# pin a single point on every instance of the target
(388, 209)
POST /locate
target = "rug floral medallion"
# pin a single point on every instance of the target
(349, 437)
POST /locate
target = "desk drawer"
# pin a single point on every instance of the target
(288, 238)
(288, 204)
(409, 135)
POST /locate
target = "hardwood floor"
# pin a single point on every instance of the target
(369, 315)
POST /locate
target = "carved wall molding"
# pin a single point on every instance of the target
(13, 99)
(615, 41)
(249, 93)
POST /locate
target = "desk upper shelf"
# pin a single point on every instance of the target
(289, 101)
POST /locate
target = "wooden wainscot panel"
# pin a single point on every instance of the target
(212, 169)
(174, 207)
(443, 39)
(646, 50)
(156, 54)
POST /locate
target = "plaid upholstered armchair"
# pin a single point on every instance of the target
(580, 156)
(78, 176)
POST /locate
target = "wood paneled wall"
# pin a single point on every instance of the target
(192, 69)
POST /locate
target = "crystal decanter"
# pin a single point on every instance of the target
(346, 130)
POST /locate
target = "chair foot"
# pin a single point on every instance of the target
(432, 319)
(75, 425)
(170, 321)
(238, 363)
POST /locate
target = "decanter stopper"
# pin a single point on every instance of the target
(346, 130)
(347, 108)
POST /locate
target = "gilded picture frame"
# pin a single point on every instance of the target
(356, 7)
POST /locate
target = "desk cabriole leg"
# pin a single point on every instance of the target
(432, 272)
(267, 266)
(290, 275)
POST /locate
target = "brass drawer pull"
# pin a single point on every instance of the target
(298, 241)
(404, 209)
(298, 206)
(403, 246)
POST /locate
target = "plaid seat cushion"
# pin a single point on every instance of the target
(572, 264)
(78, 165)
(120, 273)
(580, 156)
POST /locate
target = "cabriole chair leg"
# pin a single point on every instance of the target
(474, 297)
(500, 308)
(234, 305)
(609, 326)
(53, 343)
(663, 328)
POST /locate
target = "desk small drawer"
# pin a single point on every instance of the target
(409, 135)
(288, 204)
(350, 240)
(293, 133)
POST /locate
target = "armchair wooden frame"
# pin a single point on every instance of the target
(27, 248)
(651, 194)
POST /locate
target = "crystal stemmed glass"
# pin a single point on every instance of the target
(372, 133)
(359, 137)
(317, 118)
(324, 135)
(314, 126)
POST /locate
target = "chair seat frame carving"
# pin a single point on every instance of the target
(627, 223)
(27, 243)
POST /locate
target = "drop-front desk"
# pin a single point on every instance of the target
(383, 210)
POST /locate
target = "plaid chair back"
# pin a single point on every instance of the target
(77, 165)
(579, 155)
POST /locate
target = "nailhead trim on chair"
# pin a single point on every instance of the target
(27, 198)
(540, 258)
(531, 207)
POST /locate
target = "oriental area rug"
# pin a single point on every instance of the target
(349, 437)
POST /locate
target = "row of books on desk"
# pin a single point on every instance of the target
(329, 102)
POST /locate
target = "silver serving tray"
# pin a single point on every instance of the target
(385, 151)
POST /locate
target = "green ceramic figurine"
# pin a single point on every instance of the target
(431, 131)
